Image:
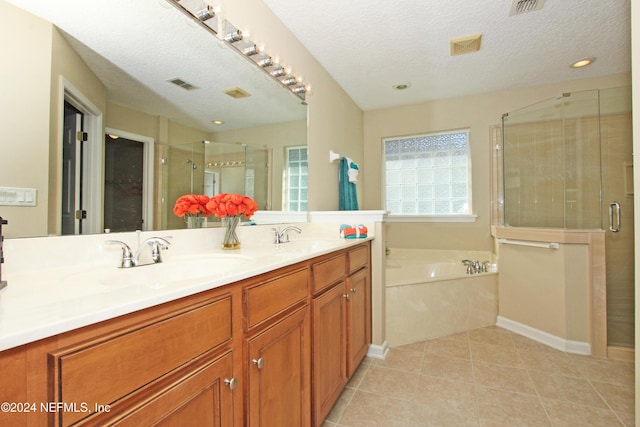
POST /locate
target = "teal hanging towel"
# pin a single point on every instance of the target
(348, 196)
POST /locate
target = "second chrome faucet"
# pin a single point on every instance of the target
(282, 236)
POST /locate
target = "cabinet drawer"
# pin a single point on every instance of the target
(358, 257)
(328, 272)
(267, 299)
(105, 370)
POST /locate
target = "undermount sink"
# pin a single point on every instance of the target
(313, 243)
(181, 268)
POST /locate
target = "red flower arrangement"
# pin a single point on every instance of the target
(192, 204)
(224, 205)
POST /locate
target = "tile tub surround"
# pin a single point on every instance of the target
(42, 301)
(486, 377)
(428, 294)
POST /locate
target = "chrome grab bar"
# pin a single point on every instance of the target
(618, 223)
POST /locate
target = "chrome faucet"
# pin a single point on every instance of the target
(129, 260)
(282, 236)
(474, 267)
(470, 266)
(486, 266)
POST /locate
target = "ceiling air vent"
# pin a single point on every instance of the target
(466, 44)
(182, 84)
(523, 6)
(236, 92)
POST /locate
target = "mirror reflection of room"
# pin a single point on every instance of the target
(81, 63)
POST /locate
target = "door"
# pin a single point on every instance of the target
(72, 171)
(618, 213)
(124, 184)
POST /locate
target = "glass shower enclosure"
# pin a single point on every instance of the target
(210, 168)
(567, 163)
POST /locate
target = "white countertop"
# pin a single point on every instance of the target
(48, 301)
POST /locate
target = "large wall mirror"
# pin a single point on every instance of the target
(160, 107)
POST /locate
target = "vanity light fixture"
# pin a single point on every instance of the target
(265, 62)
(290, 81)
(206, 13)
(257, 55)
(278, 72)
(217, 122)
(200, 12)
(251, 50)
(240, 41)
(583, 62)
(233, 36)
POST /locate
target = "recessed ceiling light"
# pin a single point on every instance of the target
(583, 62)
(217, 122)
(402, 86)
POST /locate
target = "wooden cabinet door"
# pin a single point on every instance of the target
(203, 396)
(358, 319)
(278, 376)
(329, 350)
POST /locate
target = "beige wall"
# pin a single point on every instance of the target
(335, 121)
(478, 113)
(547, 289)
(24, 116)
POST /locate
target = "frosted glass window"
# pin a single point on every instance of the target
(296, 182)
(428, 174)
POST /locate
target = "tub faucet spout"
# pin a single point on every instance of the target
(470, 266)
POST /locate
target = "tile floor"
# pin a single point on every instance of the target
(486, 377)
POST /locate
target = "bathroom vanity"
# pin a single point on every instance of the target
(275, 348)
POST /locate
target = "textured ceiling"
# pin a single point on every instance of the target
(134, 47)
(368, 46)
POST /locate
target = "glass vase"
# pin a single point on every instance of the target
(230, 239)
(195, 221)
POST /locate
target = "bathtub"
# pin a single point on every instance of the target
(430, 295)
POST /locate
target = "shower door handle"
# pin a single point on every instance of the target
(615, 205)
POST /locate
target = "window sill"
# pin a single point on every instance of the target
(430, 218)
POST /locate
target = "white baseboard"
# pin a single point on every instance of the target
(546, 338)
(378, 351)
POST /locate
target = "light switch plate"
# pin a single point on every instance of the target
(13, 196)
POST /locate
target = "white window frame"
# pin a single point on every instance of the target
(467, 217)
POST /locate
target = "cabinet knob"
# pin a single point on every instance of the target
(231, 383)
(353, 290)
(347, 296)
(258, 362)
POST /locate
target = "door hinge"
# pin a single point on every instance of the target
(81, 214)
(82, 136)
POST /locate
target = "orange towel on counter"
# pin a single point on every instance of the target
(353, 231)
